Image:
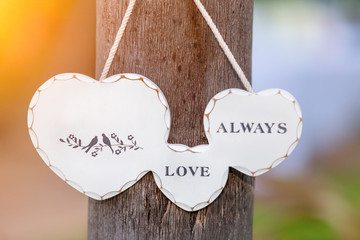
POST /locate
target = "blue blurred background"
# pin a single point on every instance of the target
(310, 48)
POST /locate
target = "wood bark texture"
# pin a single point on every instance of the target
(169, 42)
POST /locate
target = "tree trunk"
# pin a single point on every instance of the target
(169, 42)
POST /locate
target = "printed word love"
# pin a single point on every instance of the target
(182, 171)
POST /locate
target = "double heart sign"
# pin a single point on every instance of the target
(102, 137)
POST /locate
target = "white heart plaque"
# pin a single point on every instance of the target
(102, 137)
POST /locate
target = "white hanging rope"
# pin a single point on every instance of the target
(212, 26)
(118, 37)
(224, 46)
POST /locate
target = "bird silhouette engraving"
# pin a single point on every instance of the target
(75, 142)
(107, 142)
(91, 144)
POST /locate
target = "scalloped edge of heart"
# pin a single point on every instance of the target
(167, 119)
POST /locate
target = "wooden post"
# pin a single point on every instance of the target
(169, 42)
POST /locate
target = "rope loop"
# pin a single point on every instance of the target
(209, 22)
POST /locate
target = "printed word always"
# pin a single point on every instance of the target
(266, 128)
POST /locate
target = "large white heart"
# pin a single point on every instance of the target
(102, 137)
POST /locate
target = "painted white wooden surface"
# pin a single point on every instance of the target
(102, 137)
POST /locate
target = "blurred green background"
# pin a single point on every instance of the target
(310, 48)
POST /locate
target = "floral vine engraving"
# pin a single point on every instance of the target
(115, 145)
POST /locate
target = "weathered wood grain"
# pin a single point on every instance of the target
(169, 42)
